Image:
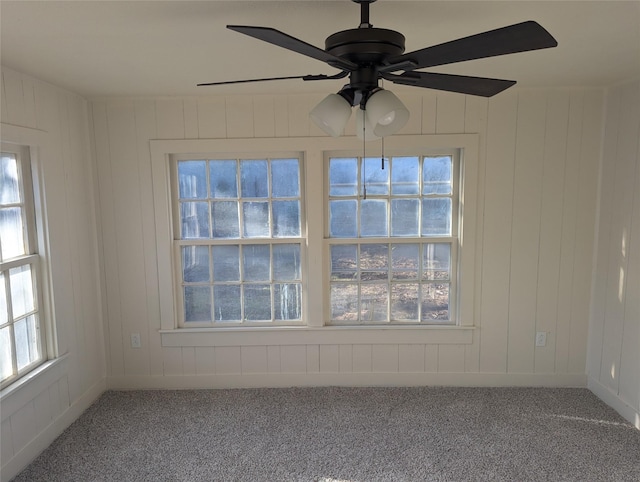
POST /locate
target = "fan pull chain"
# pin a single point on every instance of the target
(382, 154)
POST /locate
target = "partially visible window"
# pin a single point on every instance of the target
(238, 231)
(392, 235)
(21, 337)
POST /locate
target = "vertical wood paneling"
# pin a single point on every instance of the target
(569, 210)
(384, 358)
(281, 115)
(239, 115)
(525, 231)
(29, 98)
(431, 358)
(451, 358)
(362, 361)
(188, 360)
(585, 228)
(476, 110)
(263, 116)
(293, 359)
(329, 359)
(413, 102)
(429, 112)
(345, 356)
(6, 447)
(273, 359)
(451, 113)
(494, 310)
(551, 227)
(190, 108)
(313, 358)
(212, 120)
(172, 361)
(145, 120)
(4, 112)
(14, 99)
(254, 359)
(299, 121)
(411, 358)
(129, 235)
(113, 335)
(228, 359)
(205, 360)
(23, 426)
(170, 118)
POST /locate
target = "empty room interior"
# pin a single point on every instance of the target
(436, 197)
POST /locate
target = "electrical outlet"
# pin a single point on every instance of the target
(135, 340)
(541, 338)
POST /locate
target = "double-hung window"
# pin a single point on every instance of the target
(392, 234)
(238, 230)
(21, 336)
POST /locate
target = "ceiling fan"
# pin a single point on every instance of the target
(367, 54)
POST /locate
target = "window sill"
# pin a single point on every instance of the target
(328, 335)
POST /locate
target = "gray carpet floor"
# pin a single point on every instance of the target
(345, 434)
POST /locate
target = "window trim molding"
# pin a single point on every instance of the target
(313, 149)
(32, 141)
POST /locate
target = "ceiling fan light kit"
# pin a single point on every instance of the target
(367, 54)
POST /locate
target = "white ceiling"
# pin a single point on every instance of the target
(142, 48)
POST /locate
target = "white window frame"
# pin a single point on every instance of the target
(241, 241)
(452, 239)
(23, 143)
(315, 329)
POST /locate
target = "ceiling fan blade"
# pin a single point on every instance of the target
(462, 84)
(339, 75)
(286, 41)
(521, 37)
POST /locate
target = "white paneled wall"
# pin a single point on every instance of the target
(614, 334)
(536, 211)
(37, 411)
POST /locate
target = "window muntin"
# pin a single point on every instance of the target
(239, 237)
(412, 200)
(21, 338)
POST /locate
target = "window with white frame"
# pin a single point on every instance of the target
(21, 326)
(238, 230)
(392, 235)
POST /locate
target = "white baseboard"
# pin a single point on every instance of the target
(276, 380)
(25, 456)
(614, 401)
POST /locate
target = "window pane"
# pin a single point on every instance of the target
(223, 175)
(436, 217)
(192, 179)
(405, 175)
(286, 262)
(287, 301)
(256, 219)
(195, 263)
(405, 261)
(374, 262)
(254, 179)
(373, 220)
(226, 303)
(373, 302)
(9, 182)
(343, 177)
(344, 264)
(285, 178)
(374, 177)
(344, 302)
(257, 302)
(226, 264)
(224, 219)
(197, 303)
(404, 301)
(436, 175)
(404, 217)
(435, 302)
(436, 261)
(195, 220)
(26, 342)
(256, 262)
(22, 296)
(286, 219)
(342, 219)
(11, 233)
(6, 353)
